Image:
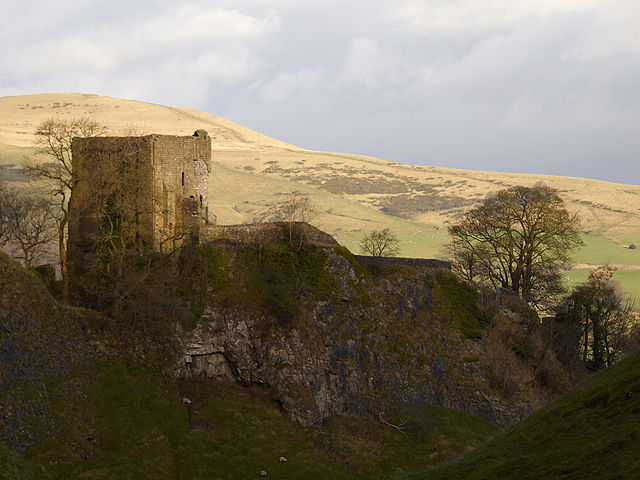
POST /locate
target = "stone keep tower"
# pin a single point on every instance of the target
(143, 192)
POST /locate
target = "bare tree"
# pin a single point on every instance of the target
(297, 207)
(297, 211)
(28, 224)
(380, 243)
(517, 239)
(4, 219)
(53, 167)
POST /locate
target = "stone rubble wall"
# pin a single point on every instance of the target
(420, 263)
(257, 234)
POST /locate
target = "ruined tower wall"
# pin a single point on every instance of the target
(148, 190)
(111, 198)
(181, 168)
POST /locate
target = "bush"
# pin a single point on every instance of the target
(505, 372)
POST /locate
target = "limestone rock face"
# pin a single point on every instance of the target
(41, 343)
(379, 341)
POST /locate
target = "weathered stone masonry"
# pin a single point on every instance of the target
(157, 182)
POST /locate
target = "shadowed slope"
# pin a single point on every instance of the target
(592, 432)
(70, 407)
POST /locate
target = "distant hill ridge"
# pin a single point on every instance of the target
(20, 114)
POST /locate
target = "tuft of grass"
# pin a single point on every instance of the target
(274, 278)
(527, 314)
(460, 301)
(12, 467)
(427, 436)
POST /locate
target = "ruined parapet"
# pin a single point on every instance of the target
(138, 192)
(258, 234)
(421, 263)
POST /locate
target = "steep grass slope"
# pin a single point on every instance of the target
(592, 432)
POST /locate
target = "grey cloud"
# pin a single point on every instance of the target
(538, 86)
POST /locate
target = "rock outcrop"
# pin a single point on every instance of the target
(368, 344)
(41, 343)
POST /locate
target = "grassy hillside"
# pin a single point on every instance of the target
(356, 194)
(72, 407)
(139, 428)
(12, 467)
(592, 432)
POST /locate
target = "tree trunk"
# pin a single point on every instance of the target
(585, 344)
(62, 253)
(27, 257)
(597, 345)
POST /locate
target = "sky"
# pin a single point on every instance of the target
(528, 86)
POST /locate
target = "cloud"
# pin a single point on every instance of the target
(364, 64)
(533, 85)
(193, 23)
(157, 53)
(287, 84)
(456, 16)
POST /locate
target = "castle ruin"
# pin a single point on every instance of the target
(144, 192)
(148, 193)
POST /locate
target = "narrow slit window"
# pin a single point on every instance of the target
(183, 179)
(200, 201)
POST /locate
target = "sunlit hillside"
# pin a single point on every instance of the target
(355, 194)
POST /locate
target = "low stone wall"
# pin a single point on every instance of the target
(422, 263)
(266, 233)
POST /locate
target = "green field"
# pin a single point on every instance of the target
(426, 242)
(599, 250)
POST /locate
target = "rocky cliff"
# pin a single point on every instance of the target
(329, 336)
(41, 344)
(322, 335)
